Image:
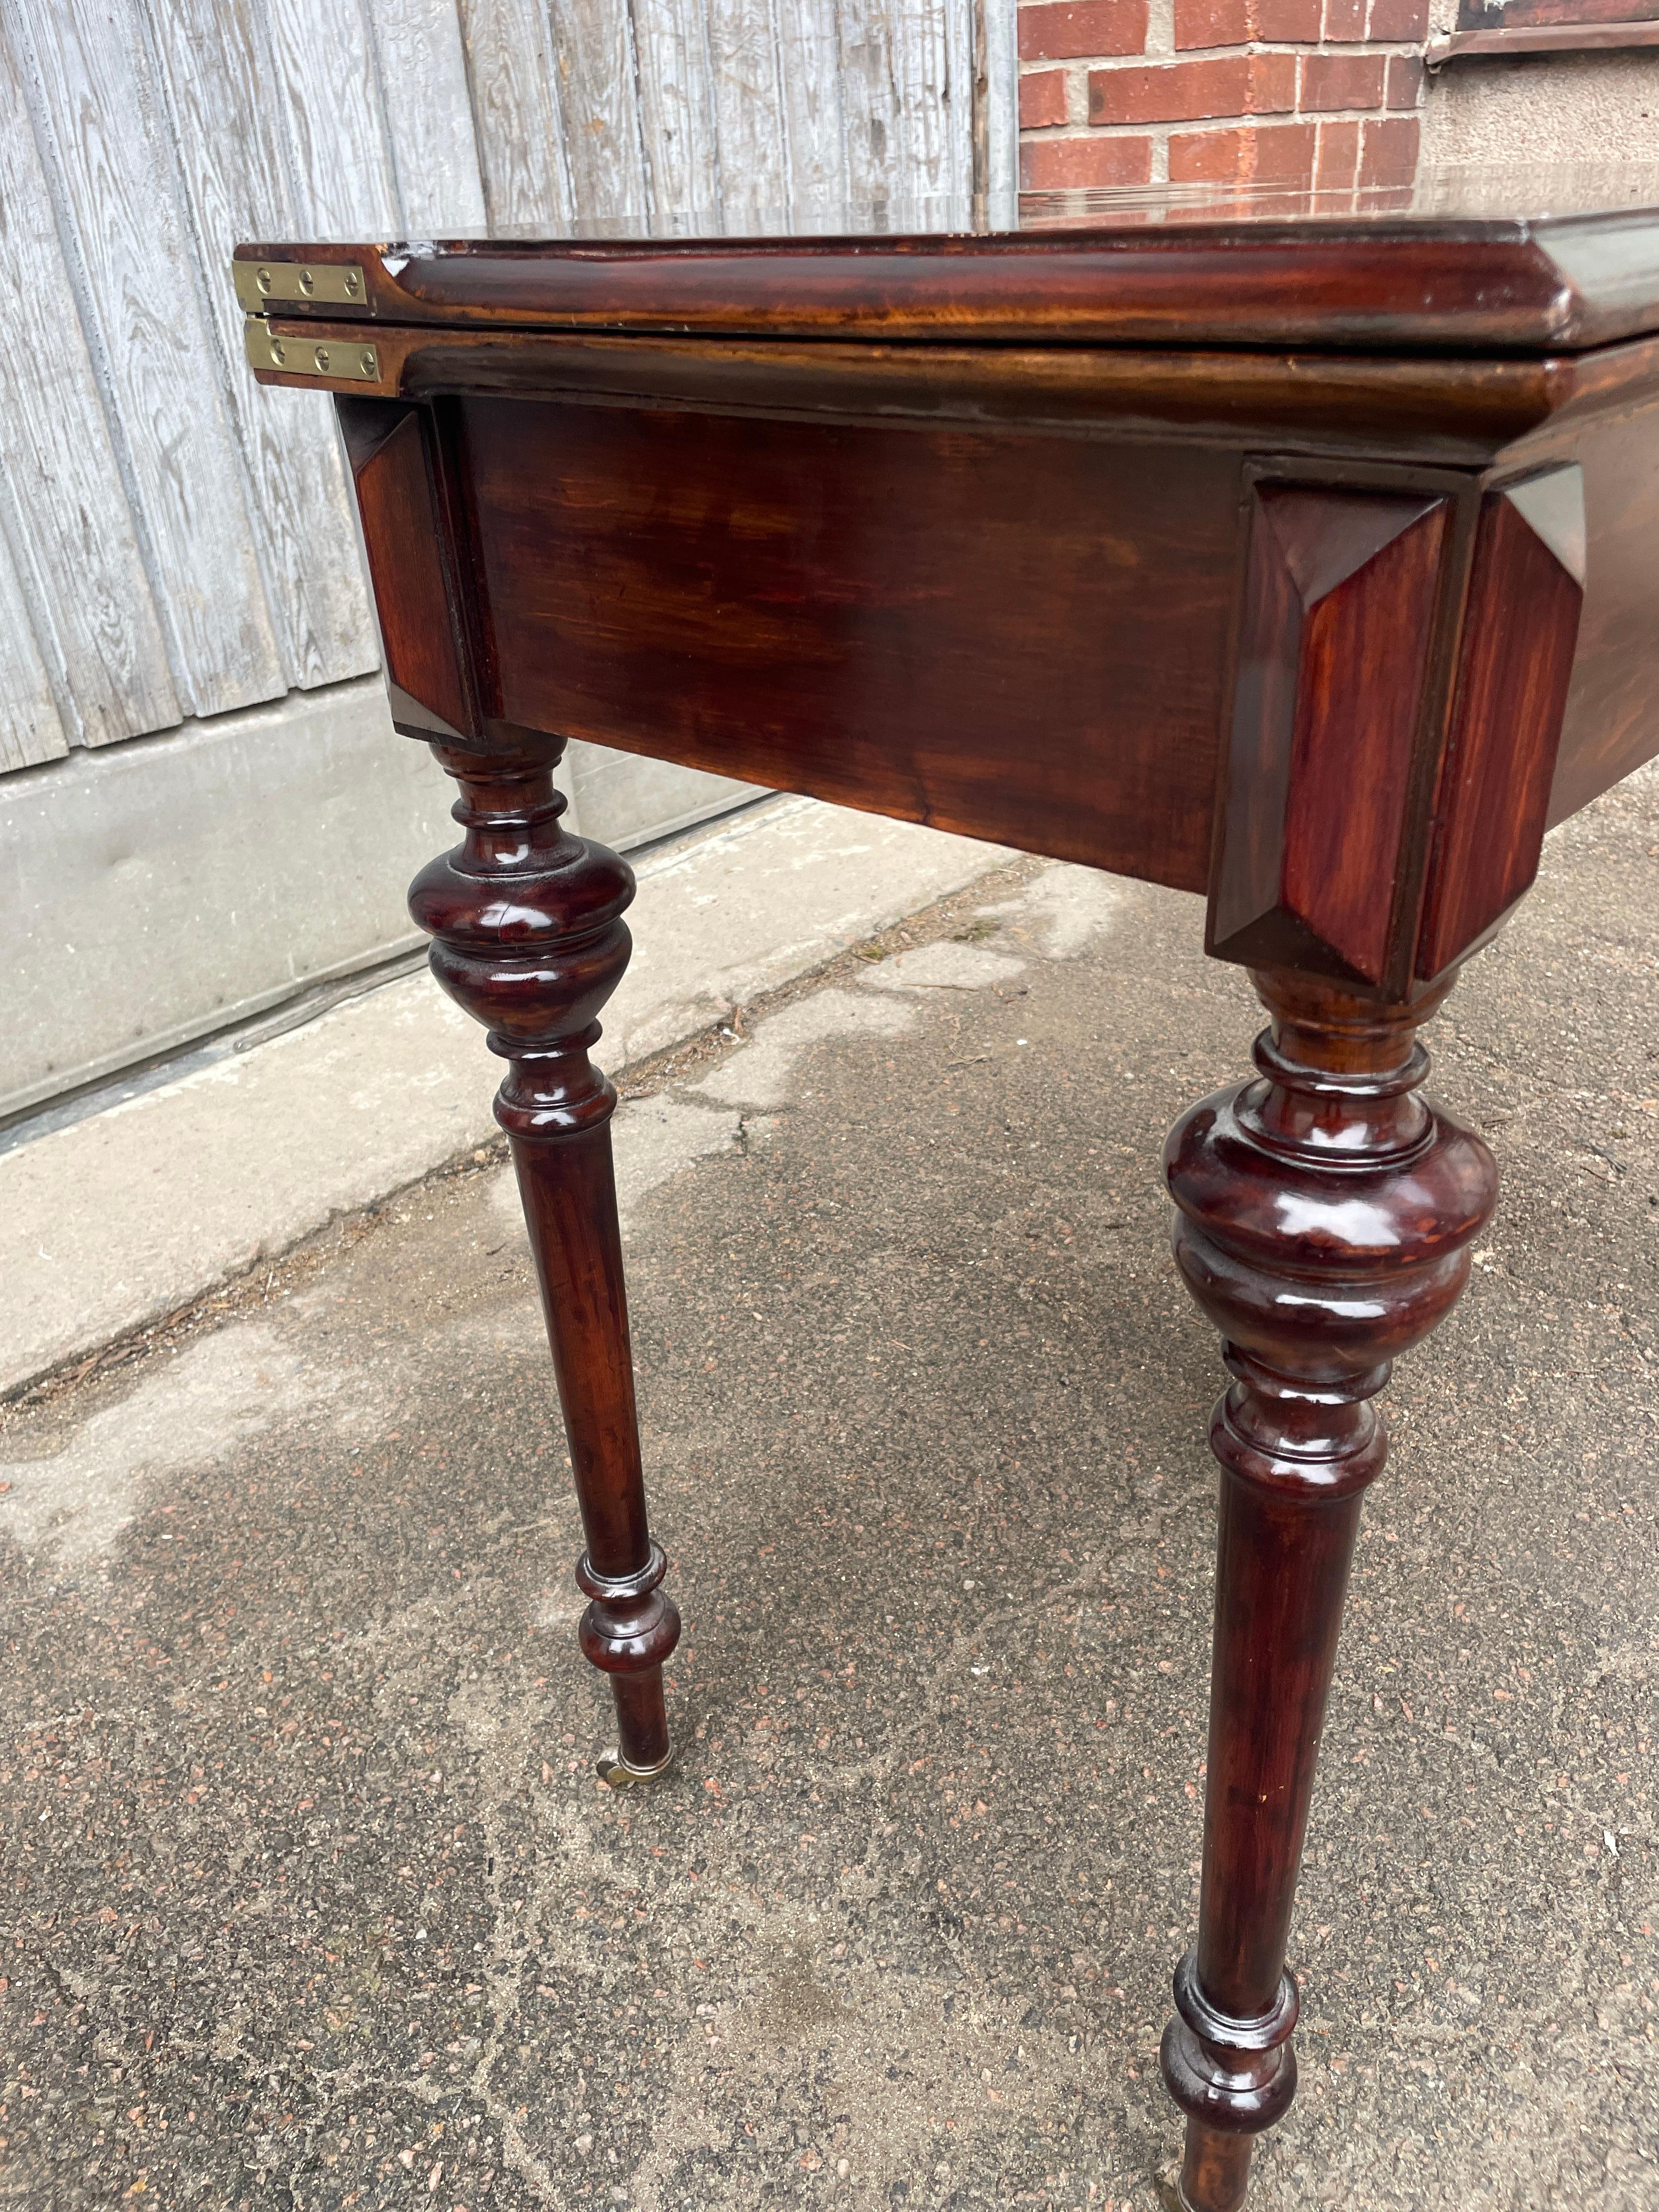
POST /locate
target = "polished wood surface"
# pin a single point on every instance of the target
(1520, 630)
(887, 616)
(1463, 281)
(1324, 1217)
(1325, 635)
(529, 940)
(1343, 623)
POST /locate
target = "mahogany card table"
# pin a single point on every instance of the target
(1302, 556)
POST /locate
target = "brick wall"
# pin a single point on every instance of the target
(1304, 93)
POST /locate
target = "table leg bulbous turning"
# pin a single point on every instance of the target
(1324, 1213)
(529, 940)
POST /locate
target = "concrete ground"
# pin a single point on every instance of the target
(314, 1900)
(118, 1210)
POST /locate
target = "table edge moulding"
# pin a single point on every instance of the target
(1306, 565)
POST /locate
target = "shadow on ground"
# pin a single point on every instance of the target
(314, 1900)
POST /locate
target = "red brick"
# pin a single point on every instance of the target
(1400, 20)
(1182, 92)
(1071, 33)
(1055, 165)
(1288, 23)
(1245, 22)
(1389, 155)
(1337, 164)
(1405, 80)
(1213, 24)
(1345, 21)
(1041, 98)
(1340, 80)
(1282, 153)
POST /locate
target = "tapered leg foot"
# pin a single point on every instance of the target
(1324, 1213)
(1215, 2169)
(530, 939)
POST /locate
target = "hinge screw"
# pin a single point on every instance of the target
(370, 365)
(321, 359)
(277, 354)
(351, 282)
(264, 280)
(307, 283)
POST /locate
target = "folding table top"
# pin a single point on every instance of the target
(1517, 260)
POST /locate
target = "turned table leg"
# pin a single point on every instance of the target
(530, 939)
(1324, 1215)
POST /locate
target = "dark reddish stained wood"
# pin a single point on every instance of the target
(1465, 282)
(529, 940)
(1335, 658)
(387, 447)
(1087, 543)
(1437, 409)
(1324, 1218)
(1611, 725)
(1018, 637)
(1520, 629)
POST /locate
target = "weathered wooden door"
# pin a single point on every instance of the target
(176, 551)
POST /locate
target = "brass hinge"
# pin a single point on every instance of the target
(331, 282)
(340, 360)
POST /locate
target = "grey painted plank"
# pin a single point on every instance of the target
(677, 113)
(424, 92)
(810, 87)
(593, 56)
(30, 727)
(341, 169)
(106, 140)
(226, 128)
(78, 567)
(519, 128)
(907, 71)
(748, 113)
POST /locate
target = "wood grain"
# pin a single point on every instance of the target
(814, 127)
(523, 157)
(96, 630)
(1611, 725)
(529, 939)
(906, 69)
(406, 546)
(1400, 288)
(341, 169)
(597, 67)
(421, 63)
(1520, 631)
(99, 116)
(1334, 659)
(1324, 1217)
(31, 728)
(677, 114)
(1019, 637)
(214, 75)
(748, 103)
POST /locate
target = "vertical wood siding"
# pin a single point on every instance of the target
(174, 542)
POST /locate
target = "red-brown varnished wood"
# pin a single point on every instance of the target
(1237, 554)
(1473, 282)
(389, 448)
(1335, 658)
(1446, 409)
(1019, 637)
(1520, 629)
(529, 940)
(1324, 1216)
